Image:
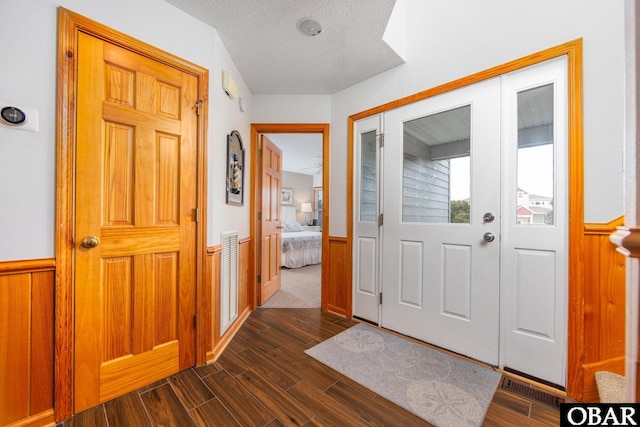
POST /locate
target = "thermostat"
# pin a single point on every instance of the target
(13, 116)
(18, 118)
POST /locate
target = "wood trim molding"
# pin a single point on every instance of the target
(607, 228)
(27, 266)
(212, 344)
(262, 128)
(45, 418)
(573, 52)
(214, 249)
(70, 25)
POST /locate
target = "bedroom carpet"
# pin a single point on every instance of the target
(300, 288)
(442, 389)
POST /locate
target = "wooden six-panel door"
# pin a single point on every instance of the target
(271, 224)
(135, 235)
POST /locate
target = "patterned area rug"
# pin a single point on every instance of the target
(442, 389)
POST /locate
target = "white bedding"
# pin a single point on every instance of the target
(301, 248)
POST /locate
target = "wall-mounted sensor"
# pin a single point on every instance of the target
(13, 116)
(229, 85)
(18, 118)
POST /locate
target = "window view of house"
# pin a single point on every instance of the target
(535, 157)
(436, 167)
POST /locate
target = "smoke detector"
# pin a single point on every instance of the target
(309, 27)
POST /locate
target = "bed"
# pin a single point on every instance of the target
(300, 247)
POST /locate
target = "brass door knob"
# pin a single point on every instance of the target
(90, 242)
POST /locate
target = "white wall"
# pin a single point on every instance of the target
(291, 109)
(302, 187)
(28, 33)
(445, 42)
(448, 41)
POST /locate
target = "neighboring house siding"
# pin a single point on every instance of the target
(425, 184)
(368, 190)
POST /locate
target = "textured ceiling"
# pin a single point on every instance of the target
(275, 58)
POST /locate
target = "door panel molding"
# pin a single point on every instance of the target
(576, 291)
(70, 25)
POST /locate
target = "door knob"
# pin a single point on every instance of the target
(488, 237)
(488, 217)
(90, 242)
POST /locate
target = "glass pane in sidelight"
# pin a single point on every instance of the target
(535, 157)
(368, 177)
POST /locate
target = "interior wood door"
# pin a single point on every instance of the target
(135, 229)
(271, 222)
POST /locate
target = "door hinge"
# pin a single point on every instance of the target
(197, 106)
(260, 152)
(380, 220)
(380, 298)
(259, 279)
(259, 216)
(196, 214)
(195, 321)
(381, 140)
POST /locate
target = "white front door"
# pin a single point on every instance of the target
(472, 253)
(441, 279)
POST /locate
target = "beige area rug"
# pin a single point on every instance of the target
(444, 390)
(299, 288)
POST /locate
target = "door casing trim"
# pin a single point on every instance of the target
(262, 128)
(69, 25)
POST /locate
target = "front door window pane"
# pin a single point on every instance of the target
(436, 183)
(368, 174)
(535, 188)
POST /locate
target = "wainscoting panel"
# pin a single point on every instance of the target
(337, 289)
(604, 307)
(210, 341)
(26, 337)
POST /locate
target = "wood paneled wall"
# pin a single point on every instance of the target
(26, 342)
(27, 319)
(603, 323)
(336, 288)
(211, 343)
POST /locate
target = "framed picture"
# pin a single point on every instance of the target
(286, 196)
(235, 169)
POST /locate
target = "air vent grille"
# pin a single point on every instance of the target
(228, 280)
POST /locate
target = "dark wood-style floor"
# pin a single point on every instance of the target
(264, 378)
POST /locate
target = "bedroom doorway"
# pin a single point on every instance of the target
(297, 212)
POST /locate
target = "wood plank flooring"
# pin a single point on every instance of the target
(263, 378)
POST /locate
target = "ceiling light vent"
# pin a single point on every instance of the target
(309, 27)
